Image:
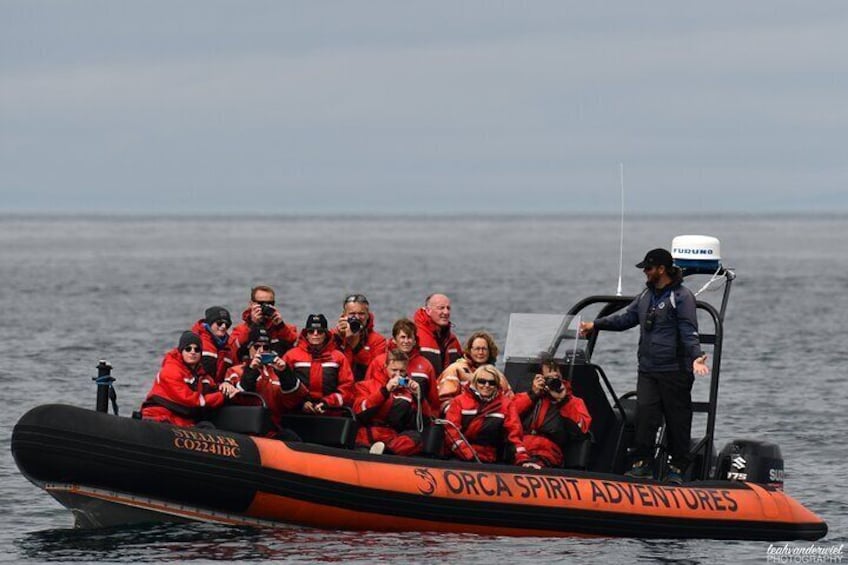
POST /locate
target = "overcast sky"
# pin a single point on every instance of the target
(326, 107)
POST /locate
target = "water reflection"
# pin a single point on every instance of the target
(192, 542)
(208, 542)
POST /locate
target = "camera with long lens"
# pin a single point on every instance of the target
(267, 310)
(354, 323)
(553, 383)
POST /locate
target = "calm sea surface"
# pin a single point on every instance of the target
(75, 290)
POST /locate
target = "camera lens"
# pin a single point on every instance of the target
(354, 323)
(554, 384)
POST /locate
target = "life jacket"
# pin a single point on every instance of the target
(551, 426)
(218, 356)
(458, 375)
(324, 371)
(438, 345)
(370, 345)
(486, 425)
(375, 405)
(283, 336)
(281, 396)
(418, 369)
(181, 394)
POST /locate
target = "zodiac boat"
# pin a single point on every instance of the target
(110, 470)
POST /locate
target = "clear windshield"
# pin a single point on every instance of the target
(528, 334)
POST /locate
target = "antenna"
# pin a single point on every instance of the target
(621, 232)
(574, 352)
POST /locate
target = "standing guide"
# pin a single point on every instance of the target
(669, 356)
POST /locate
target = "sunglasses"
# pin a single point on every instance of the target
(224, 323)
(357, 298)
(261, 347)
(266, 302)
(314, 331)
(486, 382)
(191, 349)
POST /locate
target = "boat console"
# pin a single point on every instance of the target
(613, 424)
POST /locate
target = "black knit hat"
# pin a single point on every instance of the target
(189, 338)
(316, 322)
(258, 335)
(215, 313)
(655, 258)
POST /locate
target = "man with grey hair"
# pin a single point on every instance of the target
(439, 345)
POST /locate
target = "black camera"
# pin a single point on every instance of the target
(354, 323)
(268, 310)
(554, 384)
(650, 319)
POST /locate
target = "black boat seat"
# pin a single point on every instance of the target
(576, 454)
(332, 431)
(252, 420)
(433, 441)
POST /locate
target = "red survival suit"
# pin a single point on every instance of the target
(438, 345)
(419, 369)
(283, 336)
(390, 417)
(486, 425)
(283, 392)
(371, 344)
(180, 395)
(218, 356)
(325, 372)
(548, 426)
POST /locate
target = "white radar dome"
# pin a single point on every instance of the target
(696, 253)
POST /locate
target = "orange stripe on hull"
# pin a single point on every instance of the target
(543, 489)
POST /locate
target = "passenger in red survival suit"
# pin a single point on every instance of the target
(551, 415)
(182, 392)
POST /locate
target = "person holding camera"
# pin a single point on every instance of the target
(418, 368)
(265, 373)
(354, 335)
(481, 420)
(669, 356)
(182, 393)
(218, 355)
(262, 312)
(388, 405)
(551, 415)
(323, 369)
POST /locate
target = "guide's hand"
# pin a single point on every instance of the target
(586, 328)
(699, 366)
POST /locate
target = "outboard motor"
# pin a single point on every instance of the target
(749, 460)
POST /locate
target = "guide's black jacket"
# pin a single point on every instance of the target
(668, 340)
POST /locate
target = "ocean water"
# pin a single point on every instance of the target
(74, 290)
